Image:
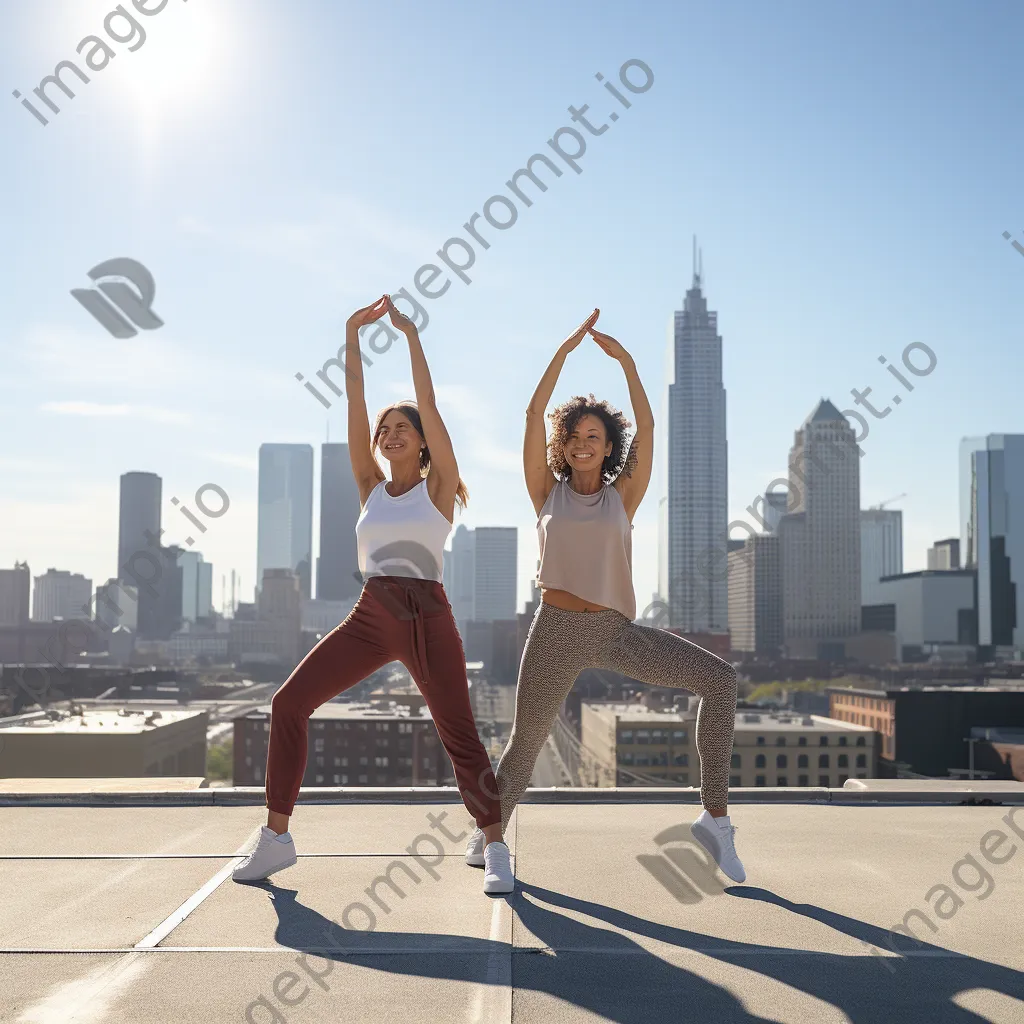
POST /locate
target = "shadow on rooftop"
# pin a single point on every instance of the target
(639, 987)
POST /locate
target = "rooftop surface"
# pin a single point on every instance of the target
(127, 913)
(108, 720)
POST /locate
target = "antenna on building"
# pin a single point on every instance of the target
(696, 276)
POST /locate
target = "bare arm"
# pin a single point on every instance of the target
(539, 478)
(443, 476)
(365, 469)
(632, 488)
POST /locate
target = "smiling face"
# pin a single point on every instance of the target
(398, 439)
(587, 445)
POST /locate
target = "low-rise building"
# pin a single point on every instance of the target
(626, 744)
(78, 742)
(381, 743)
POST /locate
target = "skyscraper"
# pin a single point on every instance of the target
(992, 533)
(138, 527)
(140, 554)
(881, 549)
(459, 575)
(284, 530)
(59, 594)
(696, 517)
(196, 586)
(494, 573)
(480, 575)
(337, 568)
(820, 537)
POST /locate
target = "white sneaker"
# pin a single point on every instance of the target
(716, 836)
(475, 850)
(498, 875)
(273, 853)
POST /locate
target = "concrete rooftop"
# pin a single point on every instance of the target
(121, 908)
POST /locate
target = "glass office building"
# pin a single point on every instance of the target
(992, 532)
(285, 513)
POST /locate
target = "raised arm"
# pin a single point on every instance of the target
(539, 478)
(633, 487)
(443, 476)
(365, 469)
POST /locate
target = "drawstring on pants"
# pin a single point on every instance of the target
(419, 639)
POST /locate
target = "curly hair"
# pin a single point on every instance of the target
(411, 411)
(564, 420)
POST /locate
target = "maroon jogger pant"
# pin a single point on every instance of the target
(396, 618)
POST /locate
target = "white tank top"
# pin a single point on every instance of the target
(401, 536)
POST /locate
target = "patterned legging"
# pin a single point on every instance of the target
(561, 644)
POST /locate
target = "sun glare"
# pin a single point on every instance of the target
(180, 59)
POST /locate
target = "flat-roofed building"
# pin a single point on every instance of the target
(101, 743)
(388, 742)
(626, 744)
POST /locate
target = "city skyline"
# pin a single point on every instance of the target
(215, 214)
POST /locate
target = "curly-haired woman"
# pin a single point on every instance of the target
(586, 483)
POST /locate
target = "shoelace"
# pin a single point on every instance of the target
(727, 837)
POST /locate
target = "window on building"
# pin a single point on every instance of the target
(320, 762)
(760, 781)
(781, 761)
(735, 762)
(426, 762)
(337, 762)
(861, 775)
(823, 780)
(319, 779)
(657, 736)
(862, 761)
(679, 736)
(363, 779)
(801, 761)
(842, 741)
(843, 761)
(337, 779)
(643, 736)
(803, 780)
(363, 762)
(780, 741)
(822, 741)
(626, 736)
(823, 761)
(760, 741)
(626, 757)
(801, 741)
(843, 778)
(782, 781)
(759, 761)
(861, 742)
(318, 745)
(344, 779)
(682, 759)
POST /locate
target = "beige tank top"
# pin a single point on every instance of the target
(586, 547)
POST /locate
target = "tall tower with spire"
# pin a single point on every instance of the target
(694, 506)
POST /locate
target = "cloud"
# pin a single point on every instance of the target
(227, 459)
(138, 412)
(336, 236)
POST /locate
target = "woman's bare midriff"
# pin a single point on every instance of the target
(569, 602)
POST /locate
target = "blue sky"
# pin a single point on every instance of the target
(848, 168)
